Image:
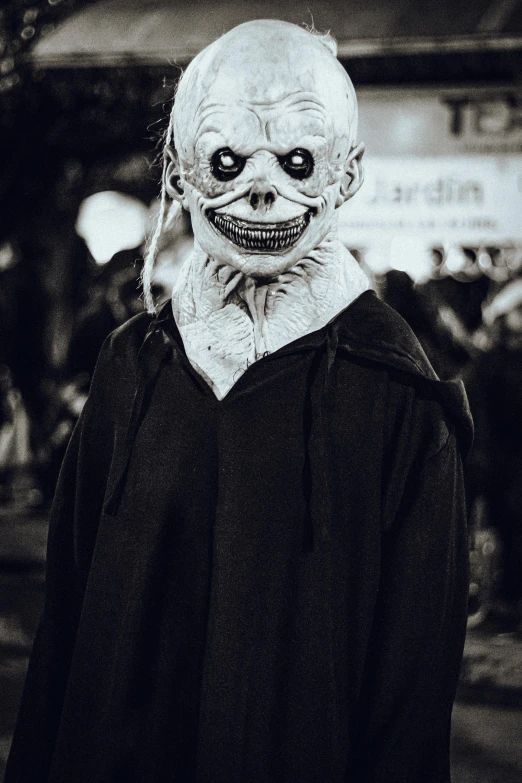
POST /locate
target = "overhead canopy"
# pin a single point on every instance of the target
(158, 32)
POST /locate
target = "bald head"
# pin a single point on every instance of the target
(262, 64)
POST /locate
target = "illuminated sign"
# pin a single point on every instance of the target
(469, 200)
(442, 168)
(443, 122)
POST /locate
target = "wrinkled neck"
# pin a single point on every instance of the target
(228, 320)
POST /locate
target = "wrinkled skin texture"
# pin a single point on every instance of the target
(264, 127)
(228, 321)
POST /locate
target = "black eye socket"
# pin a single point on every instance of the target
(226, 164)
(299, 163)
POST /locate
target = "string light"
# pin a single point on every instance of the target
(30, 15)
(6, 65)
(21, 23)
(28, 32)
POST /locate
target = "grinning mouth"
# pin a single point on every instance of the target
(259, 237)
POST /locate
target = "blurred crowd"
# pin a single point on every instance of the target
(468, 317)
(467, 314)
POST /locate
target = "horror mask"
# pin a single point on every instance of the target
(264, 128)
(261, 150)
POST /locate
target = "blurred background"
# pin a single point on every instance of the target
(85, 91)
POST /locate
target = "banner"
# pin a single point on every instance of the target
(460, 121)
(465, 200)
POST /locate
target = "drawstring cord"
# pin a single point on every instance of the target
(316, 489)
(154, 352)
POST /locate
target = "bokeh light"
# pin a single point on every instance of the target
(110, 221)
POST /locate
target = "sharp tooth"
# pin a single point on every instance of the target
(269, 237)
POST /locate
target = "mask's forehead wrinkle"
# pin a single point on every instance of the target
(205, 114)
(264, 112)
(267, 69)
(221, 118)
(297, 97)
(269, 102)
(254, 114)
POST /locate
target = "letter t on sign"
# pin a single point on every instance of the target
(456, 108)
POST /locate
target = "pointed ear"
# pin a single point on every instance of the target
(173, 183)
(353, 176)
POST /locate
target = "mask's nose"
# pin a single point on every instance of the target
(262, 195)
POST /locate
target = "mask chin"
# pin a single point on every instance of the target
(263, 265)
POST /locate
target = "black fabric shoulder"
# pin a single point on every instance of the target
(114, 377)
(371, 330)
(130, 334)
(419, 408)
(372, 324)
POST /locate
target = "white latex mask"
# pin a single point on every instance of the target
(264, 132)
(265, 123)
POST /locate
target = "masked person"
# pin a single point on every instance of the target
(257, 558)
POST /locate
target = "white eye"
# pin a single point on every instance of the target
(227, 161)
(297, 159)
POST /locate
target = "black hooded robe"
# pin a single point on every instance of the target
(271, 587)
